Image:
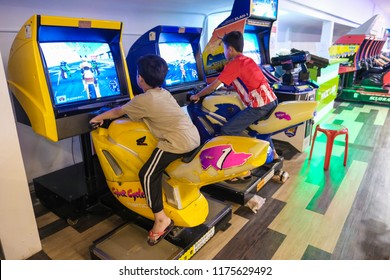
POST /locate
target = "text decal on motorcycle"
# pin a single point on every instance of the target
(129, 193)
(222, 157)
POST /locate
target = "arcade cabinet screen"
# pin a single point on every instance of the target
(80, 71)
(251, 47)
(265, 9)
(181, 63)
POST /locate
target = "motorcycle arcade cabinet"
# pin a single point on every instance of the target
(60, 69)
(294, 85)
(363, 78)
(179, 46)
(254, 18)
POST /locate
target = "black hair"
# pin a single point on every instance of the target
(153, 69)
(234, 39)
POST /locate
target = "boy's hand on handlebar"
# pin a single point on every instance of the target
(95, 123)
(194, 98)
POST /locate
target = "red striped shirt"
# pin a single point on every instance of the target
(248, 80)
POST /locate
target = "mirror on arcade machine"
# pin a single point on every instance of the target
(180, 48)
(60, 70)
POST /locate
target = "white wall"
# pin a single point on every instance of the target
(354, 11)
(18, 231)
(345, 15)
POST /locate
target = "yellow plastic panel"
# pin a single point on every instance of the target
(79, 22)
(287, 114)
(27, 81)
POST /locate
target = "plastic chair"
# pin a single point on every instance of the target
(331, 131)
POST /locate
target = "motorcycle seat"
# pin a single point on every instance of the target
(188, 157)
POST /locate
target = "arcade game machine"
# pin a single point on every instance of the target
(254, 18)
(325, 73)
(60, 69)
(295, 84)
(179, 46)
(364, 76)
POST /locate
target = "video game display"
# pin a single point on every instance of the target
(181, 63)
(267, 9)
(79, 71)
(251, 47)
(180, 48)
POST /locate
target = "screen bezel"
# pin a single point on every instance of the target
(61, 34)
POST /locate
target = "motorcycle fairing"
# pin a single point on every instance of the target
(125, 146)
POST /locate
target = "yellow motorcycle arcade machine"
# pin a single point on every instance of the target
(197, 218)
(60, 69)
(254, 18)
(124, 146)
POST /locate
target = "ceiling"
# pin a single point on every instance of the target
(384, 5)
(205, 7)
(183, 6)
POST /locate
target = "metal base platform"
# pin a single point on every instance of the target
(69, 192)
(241, 191)
(128, 242)
(365, 95)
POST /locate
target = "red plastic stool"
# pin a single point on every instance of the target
(331, 131)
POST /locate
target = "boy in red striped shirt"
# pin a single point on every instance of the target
(246, 77)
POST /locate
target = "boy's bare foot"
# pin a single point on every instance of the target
(161, 225)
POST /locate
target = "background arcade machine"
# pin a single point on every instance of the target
(362, 77)
(179, 46)
(70, 67)
(254, 18)
(324, 73)
(295, 84)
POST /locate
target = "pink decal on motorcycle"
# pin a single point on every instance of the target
(222, 157)
(129, 193)
(283, 115)
(135, 195)
(118, 193)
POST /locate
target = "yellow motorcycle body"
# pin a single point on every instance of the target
(125, 146)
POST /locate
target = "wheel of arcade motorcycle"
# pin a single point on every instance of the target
(72, 222)
(280, 176)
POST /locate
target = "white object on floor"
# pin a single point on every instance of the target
(255, 203)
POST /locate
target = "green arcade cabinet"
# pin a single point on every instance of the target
(364, 75)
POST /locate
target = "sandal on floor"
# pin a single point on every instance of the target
(154, 238)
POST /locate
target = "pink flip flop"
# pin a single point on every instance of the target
(157, 237)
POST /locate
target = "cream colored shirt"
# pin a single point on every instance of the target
(166, 120)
